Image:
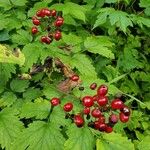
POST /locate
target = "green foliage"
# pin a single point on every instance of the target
(103, 41)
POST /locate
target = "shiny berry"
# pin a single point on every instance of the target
(86, 110)
(75, 78)
(55, 101)
(68, 107)
(113, 119)
(108, 129)
(48, 40)
(95, 97)
(44, 39)
(78, 120)
(126, 111)
(102, 101)
(101, 119)
(123, 118)
(60, 18)
(58, 23)
(57, 36)
(34, 30)
(40, 13)
(96, 125)
(96, 113)
(102, 90)
(117, 104)
(102, 127)
(36, 22)
(87, 101)
(53, 12)
(93, 86)
(47, 12)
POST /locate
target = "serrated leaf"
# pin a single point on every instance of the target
(10, 127)
(8, 56)
(84, 65)
(39, 109)
(18, 85)
(32, 53)
(110, 141)
(39, 136)
(99, 45)
(7, 99)
(144, 144)
(79, 139)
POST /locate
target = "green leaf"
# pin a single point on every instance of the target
(39, 136)
(79, 139)
(7, 99)
(4, 35)
(99, 45)
(18, 85)
(114, 141)
(32, 53)
(19, 3)
(7, 56)
(39, 109)
(10, 127)
(144, 144)
(22, 37)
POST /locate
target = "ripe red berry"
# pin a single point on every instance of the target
(36, 22)
(75, 78)
(108, 129)
(78, 120)
(40, 13)
(102, 127)
(123, 118)
(68, 107)
(113, 118)
(102, 101)
(86, 110)
(126, 111)
(96, 113)
(60, 18)
(55, 101)
(47, 12)
(87, 101)
(96, 125)
(48, 40)
(101, 119)
(34, 30)
(44, 39)
(58, 23)
(53, 12)
(93, 86)
(95, 97)
(57, 36)
(102, 90)
(117, 104)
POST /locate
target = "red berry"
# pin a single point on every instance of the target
(102, 127)
(93, 86)
(34, 30)
(55, 101)
(47, 12)
(75, 78)
(40, 13)
(96, 113)
(36, 22)
(87, 101)
(113, 118)
(58, 23)
(48, 40)
(96, 125)
(101, 119)
(44, 39)
(117, 104)
(126, 111)
(68, 107)
(108, 129)
(102, 90)
(86, 110)
(123, 118)
(102, 101)
(57, 36)
(95, 97)
(78, 120)
(53, 12)
(60, 18)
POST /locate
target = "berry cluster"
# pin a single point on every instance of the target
(99, 112)
(49, 21)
